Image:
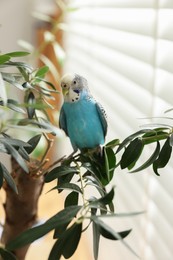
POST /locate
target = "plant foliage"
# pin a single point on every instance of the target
(21, 115)
(79, 174)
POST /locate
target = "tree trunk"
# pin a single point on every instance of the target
(21, 209)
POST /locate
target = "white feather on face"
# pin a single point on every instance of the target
(66, 81)
(72, 85)
(72, 96)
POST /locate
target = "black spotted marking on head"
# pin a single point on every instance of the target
(72, 100)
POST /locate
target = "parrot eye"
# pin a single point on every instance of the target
(74, 82)
(63, 85)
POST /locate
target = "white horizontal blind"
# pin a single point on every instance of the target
(125, 50)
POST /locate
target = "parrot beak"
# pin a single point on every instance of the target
(65, 92)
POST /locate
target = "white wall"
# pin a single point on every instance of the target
(17, 22)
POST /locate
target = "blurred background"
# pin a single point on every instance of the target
(125, 50)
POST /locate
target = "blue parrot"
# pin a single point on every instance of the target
(81, 117)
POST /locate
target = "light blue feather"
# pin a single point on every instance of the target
(84, 122)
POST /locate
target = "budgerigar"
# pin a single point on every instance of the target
(81, 117)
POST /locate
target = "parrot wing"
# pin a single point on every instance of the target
(62, 121)
(103, 117)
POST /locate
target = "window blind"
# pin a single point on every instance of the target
(125, 50)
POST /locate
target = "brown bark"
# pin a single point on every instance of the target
(21, 209)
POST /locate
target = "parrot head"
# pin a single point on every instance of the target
(72, 87)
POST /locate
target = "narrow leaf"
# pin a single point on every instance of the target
(17, 54)
(59, 52)
(68, 186)
(164, 156)
(30, 101)
(51, 66)
(96, 239)
(7, 176)
(42, 17)
(33, 142)
(106, 199)
(67, 244)
(130, 138)
(110, 162)
(171, 140)
(105, 233)
(34, 233)
(115, 234)
(113, 143)
(71, 199)
(4, 58)
(6, 255)
(26, 45)
(14, 105)
(16, 156)
(131, 153)
(150, 161)
(42, 72)
(58, 172)
(3, 94)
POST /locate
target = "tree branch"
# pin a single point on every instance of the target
(21, 209)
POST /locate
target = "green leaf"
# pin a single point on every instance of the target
(42, 17)
(17, 54)
(131, 153)
(113, 233)
(24, 154)
(94, 171)
(105, 233)
(14, 142)
(26, 45)
(51, 66)
(171, 140)
(14, 105)
(164, 156)
(14, 83)
(92, 182)
(59, 171)
(33, 142)
(53, 90)
(150, 161)
(65, 179)
(130, 138)
(26, 76)
(41, 72)
(155, 135)
(72, 199)
(105, 200)
(67, 244)
(113, 143)
(2, 148)
(30, 235)
(30, 101)
(96, 239)
(16, 156)
(4, 58)
(120, 215)
(110, 162)
(68, 186)
(43, 125)
(59, 52)
(61, 229)
(7, 176)
(6, 255)
(3, 95)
